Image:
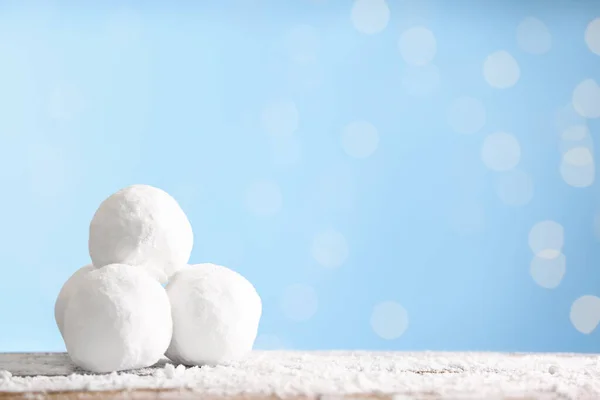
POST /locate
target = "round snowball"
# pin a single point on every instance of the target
(216, 312)
(141, 225)
(119, 318)
(66, 292)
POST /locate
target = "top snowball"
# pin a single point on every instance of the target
(143, 226)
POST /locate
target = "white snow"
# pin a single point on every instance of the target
(69, 287)
(143, 226)
(441, 375)
(118, 318)
(216, 312)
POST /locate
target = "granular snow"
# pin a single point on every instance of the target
(412, 375)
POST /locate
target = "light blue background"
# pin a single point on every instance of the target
(95, 96)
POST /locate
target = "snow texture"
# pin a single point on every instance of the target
(423, 374)
(215, 311)
(143, 226)
(70, 287)
(118, 318)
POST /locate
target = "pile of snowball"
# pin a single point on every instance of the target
(140, 300)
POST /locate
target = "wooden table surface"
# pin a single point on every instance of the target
(160, 394)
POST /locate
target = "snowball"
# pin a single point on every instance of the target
(118, 318)
(141, 225)
(66, 292)
(216, 312)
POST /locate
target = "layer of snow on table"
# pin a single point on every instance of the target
(448, 375)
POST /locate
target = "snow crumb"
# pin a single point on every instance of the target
(332, 375)
(169, 371)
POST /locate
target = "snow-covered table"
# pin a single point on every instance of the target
(312, 375)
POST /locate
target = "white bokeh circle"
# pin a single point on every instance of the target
(548, 268)
(370, 16)
(546, 235)
(417, 46)
(578, 156)
(592, 36)
(421, 81)
(501, 70)
(302, 43)
(533, 36)
(466, 115)
(579, 177)
(515, 188)
(299, 302)
(360, 139)
(586, 99)
(329, 248)
(264, 198)
(585, 313)
(280, 118)
(501, 151)
(389, 320)
(577, 167)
